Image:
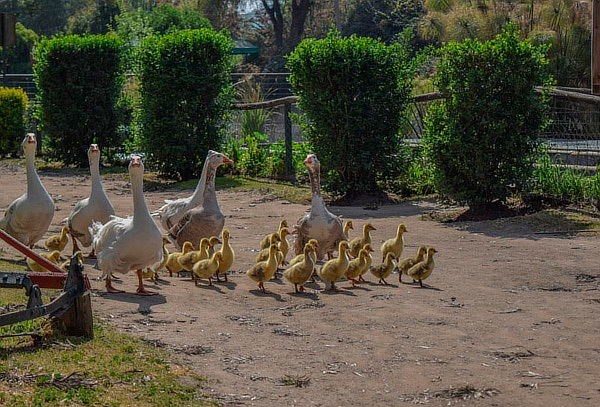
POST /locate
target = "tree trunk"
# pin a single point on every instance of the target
(276, 17)
(300, 10)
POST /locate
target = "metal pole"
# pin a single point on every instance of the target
(287, 121)
(596, 47)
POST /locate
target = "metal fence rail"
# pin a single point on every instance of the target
(573, 136)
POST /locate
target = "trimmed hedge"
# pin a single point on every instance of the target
(353, 92)
(79, 81)
(185, 93)
(482, 138)
(13, 106)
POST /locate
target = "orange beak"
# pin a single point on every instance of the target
(136, 162)
(30, 138)
(95, 147)
(308, 161)
(227, 160)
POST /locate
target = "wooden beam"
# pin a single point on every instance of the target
(596, 47)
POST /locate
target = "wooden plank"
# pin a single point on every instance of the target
(78, 320)
(596, 47)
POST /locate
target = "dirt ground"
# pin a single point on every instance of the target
(509, 318)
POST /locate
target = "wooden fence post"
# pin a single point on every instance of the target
(289, 168)
(596, 47)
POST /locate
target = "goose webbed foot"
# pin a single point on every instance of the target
(110, 288)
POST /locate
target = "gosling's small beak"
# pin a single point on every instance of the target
(227, 160)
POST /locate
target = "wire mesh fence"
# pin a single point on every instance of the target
(573, 137)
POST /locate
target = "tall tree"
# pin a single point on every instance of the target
(299, 10)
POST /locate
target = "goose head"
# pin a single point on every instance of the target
(349, 224)
(216, 159)
(93, 151)
(431, 251)
(312, 163)
(421, 252)
(214, 241)
(136, 166)
(368, 228)
(29, 143)
(283, 224)
(204, 243)
(343, 246)
(314, 243)
(402, 228)
(283, 233)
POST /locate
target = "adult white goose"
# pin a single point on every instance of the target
(318, 223)
(171, 213)
(207, 219)
(29, 216)
(96, 208)
(128, 244)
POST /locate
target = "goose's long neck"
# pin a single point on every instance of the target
(210, 196)
(198, 195)
(366, 235)
(33, 180)
(317, 203)
(140, 210)
(399, 234)
(97, 188)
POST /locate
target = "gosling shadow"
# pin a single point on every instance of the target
(339, 291)
(305, 294)
(230, 285)
(259, 293)
(213, 287)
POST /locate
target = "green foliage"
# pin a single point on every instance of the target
(564, 24)
(13, 105)
(564, 183)
(97, 17)
(253, 160)
(18, 58)
(134, 26)
(185, 93)
(417, 176)
(482, 137)
(353, 92)
(383, 19)
(79, 80)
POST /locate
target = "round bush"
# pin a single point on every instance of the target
(13, 105)
(353, 92)
(482, 138)
(185, 93)
(79, 81)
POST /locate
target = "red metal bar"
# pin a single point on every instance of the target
(54, 279)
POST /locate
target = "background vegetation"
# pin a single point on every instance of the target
(353, 92)
(176, 123)
(79, 81)
(13, 106)
(482, 137)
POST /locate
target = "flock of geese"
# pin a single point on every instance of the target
(195, 225)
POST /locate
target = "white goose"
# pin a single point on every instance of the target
(29, 216)
(96, 208)
(205, 220)
(318, 223)
(171, 213)
(128, 244)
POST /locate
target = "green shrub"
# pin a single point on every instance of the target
(13, 105)
(482, 138)
(417, 176)
(185, 92)
(353, 92)
(79, 81)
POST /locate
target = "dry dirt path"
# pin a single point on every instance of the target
(509, 311)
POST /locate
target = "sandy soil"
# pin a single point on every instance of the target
(510, 312)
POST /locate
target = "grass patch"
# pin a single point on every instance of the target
(113, 369)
